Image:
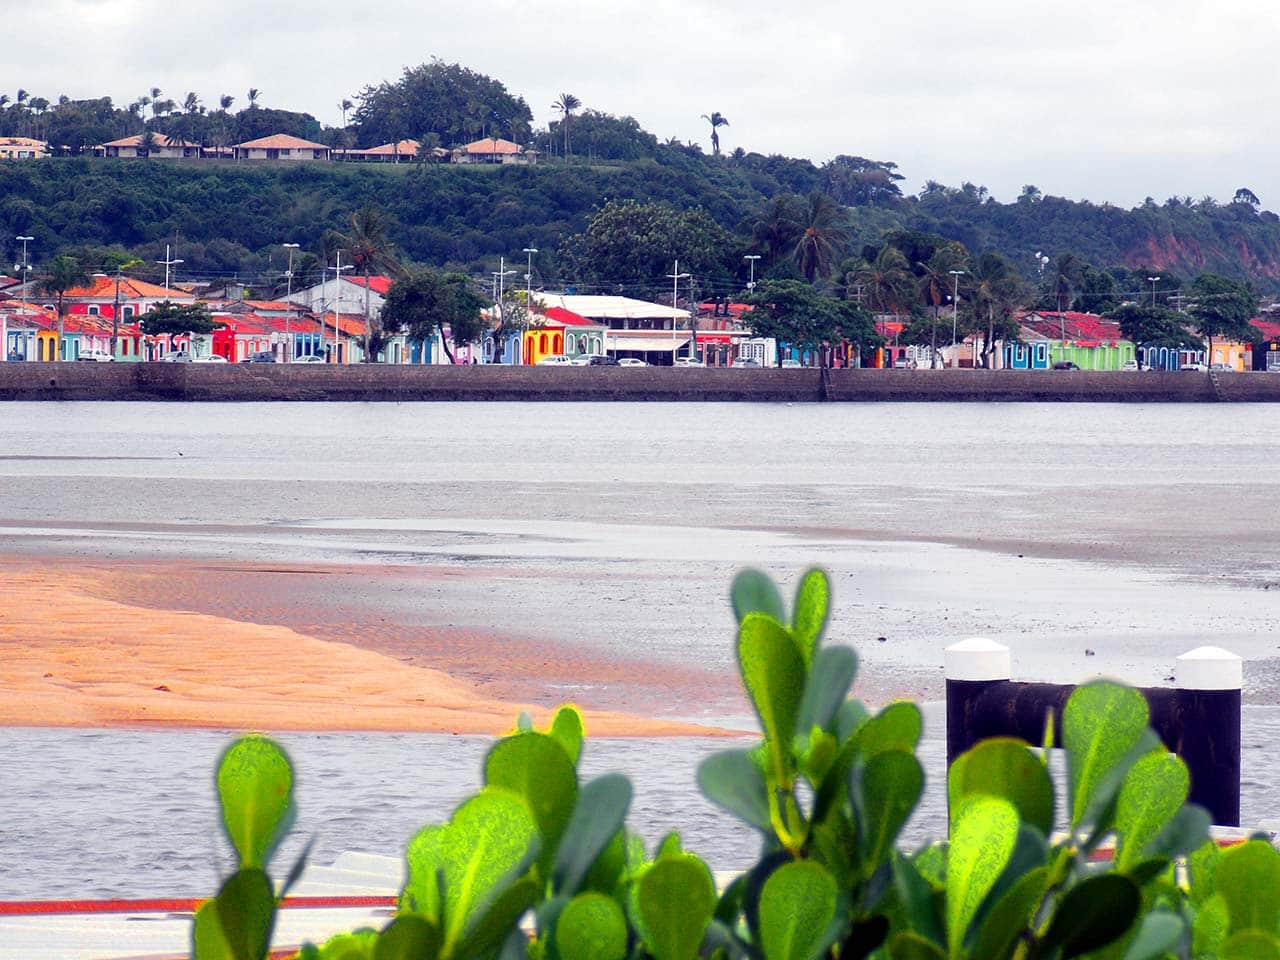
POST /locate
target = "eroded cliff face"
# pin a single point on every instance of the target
(1228, 252)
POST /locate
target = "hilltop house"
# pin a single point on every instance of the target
(161, 147)
(403, 150)
(22, 148)
(493, 150)
(280, 146)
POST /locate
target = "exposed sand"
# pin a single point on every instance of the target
(76, 655)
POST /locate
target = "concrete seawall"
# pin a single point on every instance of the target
(257, 382)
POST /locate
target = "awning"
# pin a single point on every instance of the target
(646, 344)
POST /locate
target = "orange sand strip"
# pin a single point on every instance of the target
(69, 658)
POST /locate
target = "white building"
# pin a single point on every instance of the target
(348, 293)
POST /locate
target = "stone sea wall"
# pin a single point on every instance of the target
(258, 382)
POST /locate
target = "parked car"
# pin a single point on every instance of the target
(555, 360)
(96, 356)
(310, 358)
(791, 364)
(260, 356)
(210, 358)
(1194, 367)
(689, 362)
(748, 363)
(1066, 365)
(176, 356)
(598, 361)
(1222, 368)
(631, 362)
(1130, 366)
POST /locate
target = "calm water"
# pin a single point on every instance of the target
(1134, 532)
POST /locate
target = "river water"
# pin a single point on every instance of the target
(1089, 538)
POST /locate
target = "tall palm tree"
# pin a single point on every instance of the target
(937, 285)
(344, 106)
(775, 229)
(823, 235)
(253, 95)
(369, 244)
(65, 273)
(716, 119)
(888, 281)
(566, 104)
(994, 289)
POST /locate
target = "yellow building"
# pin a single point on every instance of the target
(22, 148)
(1238, 356)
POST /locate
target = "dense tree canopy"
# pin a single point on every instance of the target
(177, 318)
(426, 302)
(794, 313)
(443, 98)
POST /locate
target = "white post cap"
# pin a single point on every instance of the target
(1209, 668)
(977, 659)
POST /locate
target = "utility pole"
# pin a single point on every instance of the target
(288, 299)
(675, 276)
(955, 310)
(751, 258)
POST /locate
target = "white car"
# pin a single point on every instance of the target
(631, 362)
(1194, 367)
(309, 358)
(689, 362)
(96, 356)
(583, 360)
(555, 360)
(790, 364)
(1130, 366)
(211, 358)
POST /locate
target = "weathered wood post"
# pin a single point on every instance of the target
(1199, 719)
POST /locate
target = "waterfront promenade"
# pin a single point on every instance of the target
(377, 382)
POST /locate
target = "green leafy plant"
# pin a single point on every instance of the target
(540, 864)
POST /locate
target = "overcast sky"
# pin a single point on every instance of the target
(1109, 100)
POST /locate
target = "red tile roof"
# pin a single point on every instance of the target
(568, 317)
(280, 141)
(136, 141)
(379, 285)
(1269, 328)
(103, 287)
(492, 145)
(1077, 326)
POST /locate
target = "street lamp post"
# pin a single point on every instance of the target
(500, 288)
(288, 299)
(528, 277)
(751, 258)
(1153, 281)
(26, 280)
(167, 264)
(675, 276)
(955, 310)
(337, 286)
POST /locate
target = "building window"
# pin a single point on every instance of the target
(129, 311)
(94, 310)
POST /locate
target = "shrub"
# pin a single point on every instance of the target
(539, 864)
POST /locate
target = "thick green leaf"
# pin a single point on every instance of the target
(536, 768)
(499, 915)
(1004, 767)
(1209, 927)
(1102, 722)
(1156, 935)
(566, 729)
(774, 674)
(1011, 914)
(669, 846)
(896, 727)
(851, 715)
(1093, 913)
(829, 681)
(912, 946)
(1202, 871)
(887, 788)
(255, 786)
(1248, 879)
(246, 909)
(986, 829)
(755, 592)
(488, 842)
(797, 911)
(1187, 831)
(675, 900)
(732, 779)
(408, 937)
(424, 859)
(207, 940)
(918, 899)
(1251, 945)
(597, 818)
(357, 945)
(813, 603)
(1030, 853)
(1152, 793)
(591, 927)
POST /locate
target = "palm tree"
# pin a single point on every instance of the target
(566, 104)
(994, 289)
(716, 119)
(887, 281)
(776, 228)
(254, 94)
(344, 106)
(65, 273)
(822, 236)
(937, 285)
(370, 248)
